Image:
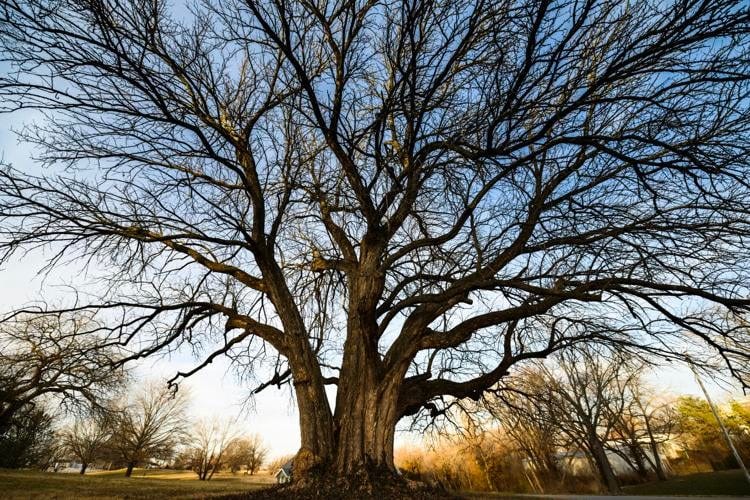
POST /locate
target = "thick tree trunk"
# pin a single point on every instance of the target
(315, 420)
(356, 451)
(367, 398)
(129, 470)
(83, 468)
(365, 420)
(360, 461)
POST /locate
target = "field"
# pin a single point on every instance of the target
(730, 482)
(720, 484)
(151, 484)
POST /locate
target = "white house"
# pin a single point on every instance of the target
(284, 475)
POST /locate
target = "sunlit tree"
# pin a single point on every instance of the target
(403, 199)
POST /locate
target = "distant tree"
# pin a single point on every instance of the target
(58, 356)
(248, 452)
(738, 422)
(29, 439)
(643, 425)
(587, 401)
(582, 395)
(149, 425)
(210, 442)
(700, 433)
(529, 424)
(404, 199)
(86, 439)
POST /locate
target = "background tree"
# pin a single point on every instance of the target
(248, 452)
(643, 427)
(149, 425)
(420, 195)
(738, 422)
(584, 397)
(58, 356)
(29, 439)
(701, 435)
(86, 440)
(210, 442)
(530, 426)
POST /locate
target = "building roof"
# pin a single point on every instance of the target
(286, 469)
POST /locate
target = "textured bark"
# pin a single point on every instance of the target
(359, 441)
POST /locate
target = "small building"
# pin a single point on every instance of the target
(284, 475)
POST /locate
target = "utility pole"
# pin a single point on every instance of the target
(718, 419)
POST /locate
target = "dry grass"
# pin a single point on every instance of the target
(149, 484)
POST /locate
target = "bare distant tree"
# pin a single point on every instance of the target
(210, 443)
(248, 452)
(530, 424)
(149, 425)
(404, 199)
(589, 403)
(86, 440)
(645, 423)
(54, 355)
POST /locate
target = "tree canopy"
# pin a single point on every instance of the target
(404, 199)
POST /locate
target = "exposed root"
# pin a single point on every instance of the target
(365, 484)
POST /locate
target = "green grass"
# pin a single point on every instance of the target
(730, 482)
(149, 484)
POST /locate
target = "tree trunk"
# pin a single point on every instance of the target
(639, 459)
(84, 466)
(356, 451)
(366, 401)
(658, 465)
(608, 477)
(315, 419)
(129, 470)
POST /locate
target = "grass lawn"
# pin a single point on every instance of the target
(150, 484)
(730, 482)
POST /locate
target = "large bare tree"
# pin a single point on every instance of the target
(403, 199)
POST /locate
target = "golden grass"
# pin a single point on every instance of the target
(144, 484)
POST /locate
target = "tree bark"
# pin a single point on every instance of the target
(84, 466)
(129, 470)
(366, 401)
(358, 445)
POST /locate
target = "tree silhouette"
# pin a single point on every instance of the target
(402, 199)
(61, 357)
